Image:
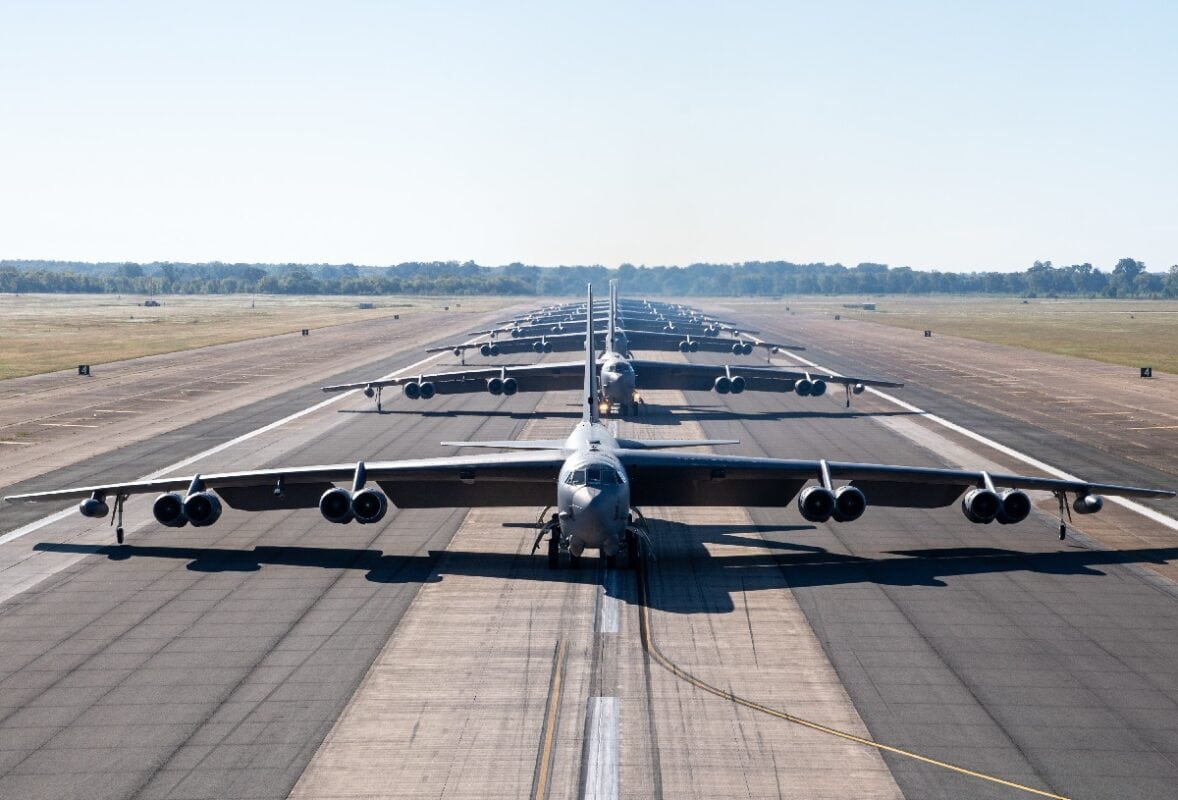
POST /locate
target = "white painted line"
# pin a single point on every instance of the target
(1124, 502)
(601, 771)
(607, 607)
(60, 515)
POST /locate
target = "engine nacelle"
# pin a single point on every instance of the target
(981, 506)
(818, 388)
(684, 346)
(457, 352)
(168, 510)
(369, 505)
(804, 387)
(369, 391)
(738, 384)
(816, 503)
(484, 350)
(336, 505)
(849, 504)
(412, 390)
(538, 346)
(722, 385)
(1088, 504)
(737, 349)
(495, 386)
(510, 386)
(494, 349)
(427, 390)
(858, 388)
(1016, 506)
(93, 507)
(548, 347)
(202, 509)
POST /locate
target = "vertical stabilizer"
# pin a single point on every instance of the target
(610, 345)
(589, 412)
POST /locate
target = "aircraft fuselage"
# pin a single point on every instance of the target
(593, 492)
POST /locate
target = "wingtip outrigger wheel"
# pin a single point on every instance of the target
(1062, 497)
(116, 518)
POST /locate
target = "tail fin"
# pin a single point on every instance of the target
(589, 412)
(610, 321)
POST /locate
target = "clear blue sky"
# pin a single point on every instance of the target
(950, 135)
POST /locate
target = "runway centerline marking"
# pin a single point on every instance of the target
(1124, 502)
(648, 644)
(601, 774)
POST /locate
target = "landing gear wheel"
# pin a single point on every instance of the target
(119, 534)
(554, 550)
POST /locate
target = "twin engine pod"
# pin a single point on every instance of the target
(844, 504)
(489, 350)
(810, 388)
(173, 511)
(1007, 507)
(419, 391)
(742, 348)
(542, 347)
(341, 506)
(688, 347)
(726, 385)
(504, 386)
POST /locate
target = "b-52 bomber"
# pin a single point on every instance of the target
(683, 335)
(595, 480)
(622, 379)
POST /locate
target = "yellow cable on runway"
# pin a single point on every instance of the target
(649, 646)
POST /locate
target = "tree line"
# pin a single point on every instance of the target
(1127, 278)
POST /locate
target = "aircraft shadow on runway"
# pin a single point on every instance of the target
(657, 415)
(685, 577)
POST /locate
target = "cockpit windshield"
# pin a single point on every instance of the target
(619, 367)
(596, 475)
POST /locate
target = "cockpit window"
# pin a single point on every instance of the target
(593, 476)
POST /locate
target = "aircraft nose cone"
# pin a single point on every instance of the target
(593, 511)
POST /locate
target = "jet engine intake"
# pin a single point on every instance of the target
(738, 384)
(510, 386)
(722, 385)
(93, 507)
(412, 390)
(849, 504)
(369, 391)
(981, 506)
(538, 346)
(804, 387)
(168, 510)
(818, 388)
(202, 509)
(684, 346)
(369, 505)
(1016, 506)
(495, 386)
(1088, 504)
(816, 503)
(485, 350)
(336, 505)
(858, 388)
(427, 390)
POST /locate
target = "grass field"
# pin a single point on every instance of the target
(46, 332)
(1134, 333)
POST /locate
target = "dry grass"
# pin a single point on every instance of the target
(1134, 333)
(46, 332)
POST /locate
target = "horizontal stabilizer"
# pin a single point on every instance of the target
(664, 444)
(516, 444)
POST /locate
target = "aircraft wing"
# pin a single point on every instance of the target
(500, 479)
(528, 378)
(658, 340)
(691, 479)
(664, 375)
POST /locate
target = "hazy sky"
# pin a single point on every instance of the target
(950, 135)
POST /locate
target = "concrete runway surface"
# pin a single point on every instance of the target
(433, 655)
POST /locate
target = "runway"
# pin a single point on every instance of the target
(434, 655)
